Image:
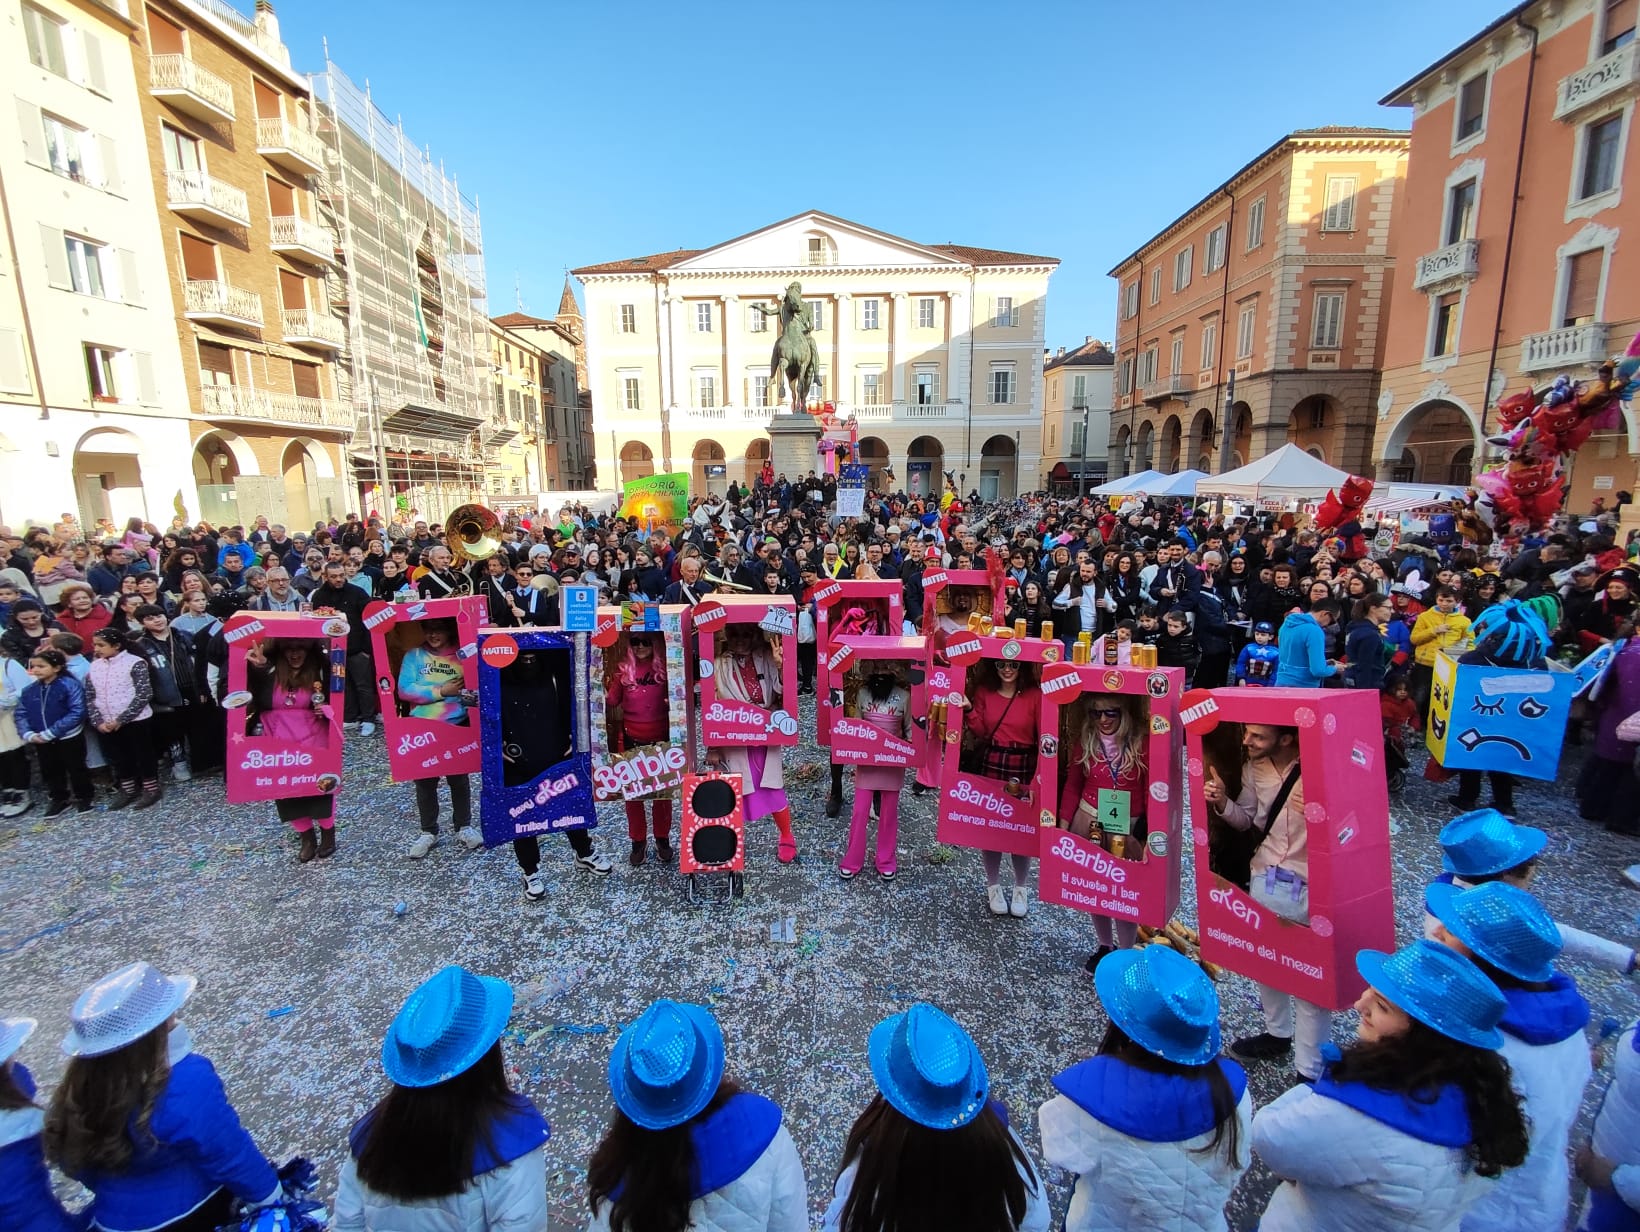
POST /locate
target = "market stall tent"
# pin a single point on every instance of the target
(1287, 474)
(1182, 484)
(1129, 483)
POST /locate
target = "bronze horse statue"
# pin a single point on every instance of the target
(794, 353)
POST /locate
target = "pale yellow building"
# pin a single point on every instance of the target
(936, 350)
(1076, 416)
(512, 434)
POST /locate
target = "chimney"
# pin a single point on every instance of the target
(1061, 350)
(1086, 338)
(266, 22)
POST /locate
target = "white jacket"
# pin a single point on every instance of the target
(1617, 1127)
(1126, 1183)
(770, 1196)
(511, 1198)
(1036, 1200)
(1346, 1172)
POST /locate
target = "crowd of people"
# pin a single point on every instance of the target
(1454, 1107)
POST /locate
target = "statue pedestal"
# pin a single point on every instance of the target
(792, 441)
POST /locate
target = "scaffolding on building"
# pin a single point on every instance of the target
(410, 291)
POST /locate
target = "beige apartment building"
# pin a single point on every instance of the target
(934, 350)
(513, 435)
(1279, 277)
(96, 410)
(567, 450)
(1080, 384)
(228, 130)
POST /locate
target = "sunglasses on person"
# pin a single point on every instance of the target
(1103, 713)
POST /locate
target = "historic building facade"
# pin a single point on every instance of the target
(1076, 416)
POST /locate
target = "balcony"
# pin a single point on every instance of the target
(1614, 74)
(196, 196)
(220, 304)
(192, 90)
(1576, 346)
(284, 145)
(283, 410)
(306, 328)
(1448, 266)
(1166, 388)
(307, 241)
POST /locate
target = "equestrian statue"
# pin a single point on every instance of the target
(794, 352)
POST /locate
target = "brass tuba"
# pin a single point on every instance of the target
(470, 532)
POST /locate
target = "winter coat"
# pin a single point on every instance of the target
(1619, 693)
(1303, 645)
(1256, 665)
(1212, 627)
(55, 710)
(1617, 1138)
(1136, 1142)
(1435, 631)
(1369, 656)
(1549, 1067)
(1356, 1159)
(118, 688)
(508, 1192)
(197, 1146)
(26, 1200)
(748, 1174)
(170, 668)
(1178, 651)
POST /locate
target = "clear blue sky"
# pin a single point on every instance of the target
(591, 132)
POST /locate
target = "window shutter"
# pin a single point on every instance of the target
(130, 281)
(1582, 286)
(94, 75)
(34, 137)
(56, 258)
(147, 390)
(13, 369)
(109, 156)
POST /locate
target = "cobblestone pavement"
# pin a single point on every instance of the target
(302, 967)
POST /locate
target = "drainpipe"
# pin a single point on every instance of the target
(1227, 440)
(1514, 211)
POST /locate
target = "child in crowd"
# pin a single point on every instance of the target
(118, 691)
(26, 1201)
(1256, 664)
(292, 702)
(73, 647)
(882, 702)
(1107, 754)
(687, 1147)
(1176, 647)
(51, 717)
(639, 708)
(1402, 723)
(1442, 627)
(452, 1145)
(1149, 630)
(430, 683)
(1156, 1127)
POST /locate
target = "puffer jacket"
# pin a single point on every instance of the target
(748, 1174)
(26, 1200)
(1136, 1141)
(1359, 1160)
(508, 1191)
(55, 710)
(1549, 1062)
(1617, 1138)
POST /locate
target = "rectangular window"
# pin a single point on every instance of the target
(1210, 345)
(1079, 438)
(1329, 320)
(1175, 358)
(871, 388)
(817, 310)
(1130, 301)
(706, 391)
(46, 40)
(703, 318)
(85, 265)
(1619, 25)
(66, 147)
(1003, 317)
(926, 389)
(817, 250)
(760, 390)
(1471, 107)
(1582, 287)
(101, 365)
(925, 314)
(756, 322)
(1340, 212)
(1147, 367)
(1182, 263)
(631, 387)
(181, 151)
(1244, 331)
(1155, 285)
(629, 318)
(1002, 384)
(869, 313)
(1255, 224)
(1460, 212)
(1444, 337)
(1600, 143)
(1213, 257)
(1079, 392)
(1124, 377)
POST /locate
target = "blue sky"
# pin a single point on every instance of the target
(596, 131)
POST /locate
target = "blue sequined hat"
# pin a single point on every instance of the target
(445, 1027)
(667, 1065)
(1440, 988)
(1501, 925)
(122, 1007)
(14, 1033)
(1163, 1001)
(1485, 842)
(928, 1068)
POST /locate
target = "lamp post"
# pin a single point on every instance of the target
(1082, 470)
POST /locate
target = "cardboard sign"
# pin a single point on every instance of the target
(1142, 883)
(656, 768)
(1503, 718)
(533, 710)
(847, 608)
(426, 747)
(855, 742)
(725, 719)
(580, 609)
(1346, 812)
(712, 838)
(261, 764)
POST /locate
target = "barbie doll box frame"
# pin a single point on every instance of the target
(724, 720)
(265, 767)
(881, 602)
(645, 770)
(855, 742)
(426, 748)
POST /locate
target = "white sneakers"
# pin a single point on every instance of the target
(1019, 903)
(469, 838)
(534, 888)
(594, 863)
(997, 901)
(1002, 903)
(367, 729)
(424, 843)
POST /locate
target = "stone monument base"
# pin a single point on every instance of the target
(792, 441)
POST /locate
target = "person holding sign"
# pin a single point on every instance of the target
(999, 742)
(639, 714)
(885, 704)
(290, 701)
(431, 682)
(1271, 805)
(1106, 787)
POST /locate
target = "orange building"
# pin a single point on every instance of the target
(1507, 253)
(1280, 276)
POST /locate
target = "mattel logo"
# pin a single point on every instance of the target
(499, 652)
(385, 616)
(250, 629)
(935, 577)
(708, 616)
(839, 658)
(1201, 710)
(828, 592)
(961, 647)
(1054, 685)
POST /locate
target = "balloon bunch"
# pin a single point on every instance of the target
(1541, 431)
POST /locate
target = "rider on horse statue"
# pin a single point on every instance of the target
(794, 351)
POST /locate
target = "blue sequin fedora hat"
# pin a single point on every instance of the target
(1163, 1002)
(122, 1007)
(445, 1026)
(1440, 988)
(928, 1068)
(1484, 842)
(1502, 925)
(667, 1065)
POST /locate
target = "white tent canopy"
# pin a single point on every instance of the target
(1182, 484)
(1287, 474)
(1142, 482)
(1390, 498)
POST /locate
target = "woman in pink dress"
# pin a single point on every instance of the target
(748, 671)
(999, 742)
(292, 704)
(639, 713)
(883, 703)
